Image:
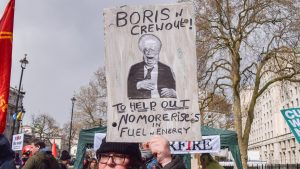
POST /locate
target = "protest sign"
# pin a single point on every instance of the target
(17, 143)
(151, 72)
(208, 144)
(292, 117)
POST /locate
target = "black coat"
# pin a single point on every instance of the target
(6, 154)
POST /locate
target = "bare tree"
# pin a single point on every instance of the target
(218, 113)
(66, 133)
(45, 128)
(248, 44)
(91, 104)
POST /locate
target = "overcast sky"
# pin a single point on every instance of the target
(63, 40)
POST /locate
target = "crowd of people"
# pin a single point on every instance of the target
(154, 154)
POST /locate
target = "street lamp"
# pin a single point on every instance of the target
(73, 99)
(23, 62)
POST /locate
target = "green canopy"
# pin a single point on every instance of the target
(85, 137)
(228, 140)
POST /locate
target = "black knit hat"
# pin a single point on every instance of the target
(65, 155)
(130, 149)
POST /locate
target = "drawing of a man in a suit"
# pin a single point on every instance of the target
(150, 78)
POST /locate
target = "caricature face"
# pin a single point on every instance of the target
(150, 45)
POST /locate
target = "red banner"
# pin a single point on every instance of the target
(6, 38)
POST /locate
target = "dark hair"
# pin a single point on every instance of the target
(206, 157)
(93, 159)
(39, 143)
(65, 155)
(90, 162)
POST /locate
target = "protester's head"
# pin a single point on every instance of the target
(5, 148)
(205, 159)
(65, 156)
(92, 163)
(118, 155)
(36, 145)
(150, 46)
(26, 150)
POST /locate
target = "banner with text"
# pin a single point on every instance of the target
(292, 117)
(151, 72)
(208, 144)
(17, 143)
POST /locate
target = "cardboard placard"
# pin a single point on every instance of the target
(151, 73)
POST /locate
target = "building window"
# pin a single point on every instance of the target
(272, 134)
(293, 142)
(292, 103)
(293, 156)
(297, 102)
(271, 123)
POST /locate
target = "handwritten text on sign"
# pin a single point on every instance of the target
(148, 20)
(173, 114)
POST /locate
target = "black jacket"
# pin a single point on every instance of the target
(176, 163)
(6, 154)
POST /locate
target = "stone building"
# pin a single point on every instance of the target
(270, 134)
(13, 93)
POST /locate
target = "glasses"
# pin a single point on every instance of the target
(116, 158)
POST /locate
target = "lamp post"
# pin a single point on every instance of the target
(73, 99)
(23, 62)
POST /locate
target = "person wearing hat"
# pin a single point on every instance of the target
(113, 155)
(64, 159)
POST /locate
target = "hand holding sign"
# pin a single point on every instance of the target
(160, 148)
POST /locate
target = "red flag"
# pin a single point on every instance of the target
(54, 152)
(6, 37)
